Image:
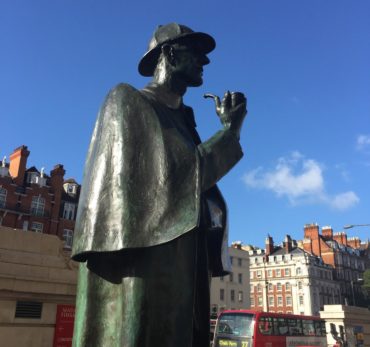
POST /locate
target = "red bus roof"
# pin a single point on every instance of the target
(271, 314)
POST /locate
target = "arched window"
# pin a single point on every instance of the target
(3, 193)
(287, 286)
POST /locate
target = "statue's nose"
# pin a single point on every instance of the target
(204, 60)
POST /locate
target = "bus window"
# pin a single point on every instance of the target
(294, 326)
(265, 326)
(308, 328)
(236, 324)
(323, 329)
(282, 326)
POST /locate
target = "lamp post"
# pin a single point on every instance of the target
(350, 226)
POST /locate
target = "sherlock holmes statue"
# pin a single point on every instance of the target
(151, 225)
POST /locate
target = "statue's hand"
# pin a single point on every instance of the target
(231, 110)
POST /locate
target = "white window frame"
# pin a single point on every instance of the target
(68, 238)
(37, 227)
(271, 301)
(69, 210)
(280, 300)
(301, 300)
(37, 205)
(287, 272)
(288, 300)
(278, 273)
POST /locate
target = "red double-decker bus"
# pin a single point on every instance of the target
(247, 328)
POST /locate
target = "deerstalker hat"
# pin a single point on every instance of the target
(170, 33)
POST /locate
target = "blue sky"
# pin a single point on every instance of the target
(304, 66)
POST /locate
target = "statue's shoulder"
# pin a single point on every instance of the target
(123, 91)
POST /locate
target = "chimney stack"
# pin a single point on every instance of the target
(18, 162)
(311, 231)
(341, 238)
(288, 244)
(269, 245)
(327, 232)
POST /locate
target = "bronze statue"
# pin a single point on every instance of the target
(151, 224)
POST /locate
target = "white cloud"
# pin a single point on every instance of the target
(363, 142)
(300, 180)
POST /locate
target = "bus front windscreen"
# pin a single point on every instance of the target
(236, 324)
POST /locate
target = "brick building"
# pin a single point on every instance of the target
(32, 200)
(347, 257)
(287, 279)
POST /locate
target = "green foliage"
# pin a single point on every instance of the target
(366, 277)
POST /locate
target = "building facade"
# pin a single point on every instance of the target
(32, 200)
(287, 279)
(232, 291)
(346, 256)
(36, 278)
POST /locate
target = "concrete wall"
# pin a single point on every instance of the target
(33, 267)
(349, 317)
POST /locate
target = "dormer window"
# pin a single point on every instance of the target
(70, 188)
(32, 177)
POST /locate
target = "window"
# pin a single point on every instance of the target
(240, 278)
(265, 326)
(298, 271)
(287, 272)
(294, 326)
(259, 288)
(69, 211)
(260, 301)
(269, 273)
(240, 262)
(32, 177)
(231, 276)
(240, 296)
(25, 225)
(280, 301)
(3, 193)
(232, 295)
(37, 205)
(259, 274)
(278, 272)
(288, 301)
(308, 327)
(301, 300)
(252, 301)
(68, 238)
(278, 286)
(270, 286)
(222, 294)
(271, 301)
(300, 285)
(71, 188)
(288, 286)
(37, 227)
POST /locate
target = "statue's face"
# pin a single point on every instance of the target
(188, 64)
